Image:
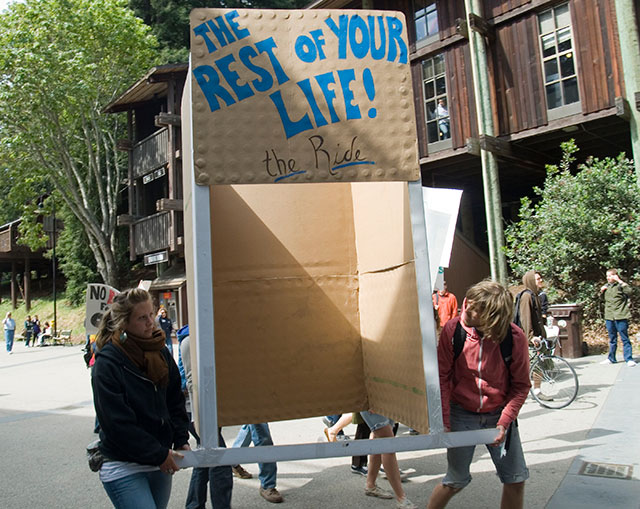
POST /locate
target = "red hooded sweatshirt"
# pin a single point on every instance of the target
(479, 380)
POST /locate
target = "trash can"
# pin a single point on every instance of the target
(568, 317)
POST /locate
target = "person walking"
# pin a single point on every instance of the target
(529, 318)
(139, 403)
(9, 332)
(484, 386)
(616, 315)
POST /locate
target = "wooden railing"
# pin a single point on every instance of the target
(151, 233)
(151, 153)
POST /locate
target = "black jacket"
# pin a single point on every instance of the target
(139, 421)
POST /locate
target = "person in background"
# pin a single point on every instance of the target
(166, 325)
(45, 334)
(28, 332)
(481, 389)
(139, 403)
(36, 329)
(9, 332)
(445, 304)
(616, 315)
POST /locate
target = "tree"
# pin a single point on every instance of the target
(582, 225)
(61, 61)
(169, 19)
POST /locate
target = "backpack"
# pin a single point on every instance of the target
(516, 305)
(506, 346)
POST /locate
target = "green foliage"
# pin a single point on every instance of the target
(582, 225)
(61, 62)
(169, 19)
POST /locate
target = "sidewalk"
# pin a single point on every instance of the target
(46, 420)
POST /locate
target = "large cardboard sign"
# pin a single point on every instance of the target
(301, 96)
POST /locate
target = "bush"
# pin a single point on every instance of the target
(581, 225)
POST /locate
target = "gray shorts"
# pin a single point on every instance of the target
(375, 421)
(510, 468)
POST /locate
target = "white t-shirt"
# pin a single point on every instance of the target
(114, 470)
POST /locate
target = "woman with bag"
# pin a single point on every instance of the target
(140, 405)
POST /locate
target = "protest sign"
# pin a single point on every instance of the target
(98, 298)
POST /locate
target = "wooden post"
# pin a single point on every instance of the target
(14, 289)
(27, 284)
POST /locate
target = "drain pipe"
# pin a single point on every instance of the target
(490, 178)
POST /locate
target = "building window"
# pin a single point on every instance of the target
(436, 104)
(425, 18)
(558, 57)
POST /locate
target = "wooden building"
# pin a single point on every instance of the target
(155, 206)
(554, 72)
(20, 262)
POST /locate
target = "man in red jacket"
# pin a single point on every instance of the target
(484, 386)
(446, 304)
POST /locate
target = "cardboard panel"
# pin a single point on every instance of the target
(392, 348)
(301, 96)
(383, 225)
(278, 344)
(267, 231)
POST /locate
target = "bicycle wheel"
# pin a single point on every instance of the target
(558, 381)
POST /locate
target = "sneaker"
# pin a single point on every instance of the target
(327, 422)
(377, 492)
(606, 361)
(631, 363)
(543, 397)
(403, 475)
(359, 470)
(405, 503)
(240, 472)
(271, 495)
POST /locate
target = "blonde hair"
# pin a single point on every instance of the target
(493, 305)
(117, 314)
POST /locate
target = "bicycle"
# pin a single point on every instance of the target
(558, 379)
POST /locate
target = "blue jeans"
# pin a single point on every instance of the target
(259, 434)
(8, 338)
(145, 490)
(220, 482)
(615, 327)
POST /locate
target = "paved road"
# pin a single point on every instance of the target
(46, 419)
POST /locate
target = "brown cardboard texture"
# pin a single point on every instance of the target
(296, 311)
(301, 96)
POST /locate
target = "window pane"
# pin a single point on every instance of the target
(564, 39)
(566, 65)
(548, 45)
(563, 18)
(439, 64)
(427, 69)
(570, 91)
(431, 110)
(432, 132)
(441, 87)
(429, 91)
(432, 21)
(551, 70)
(421, 29)
(546, 22)
(554, 97)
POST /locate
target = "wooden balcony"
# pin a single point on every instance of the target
(152, 233)
(150, 153)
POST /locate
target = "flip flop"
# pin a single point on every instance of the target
(326, 434)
